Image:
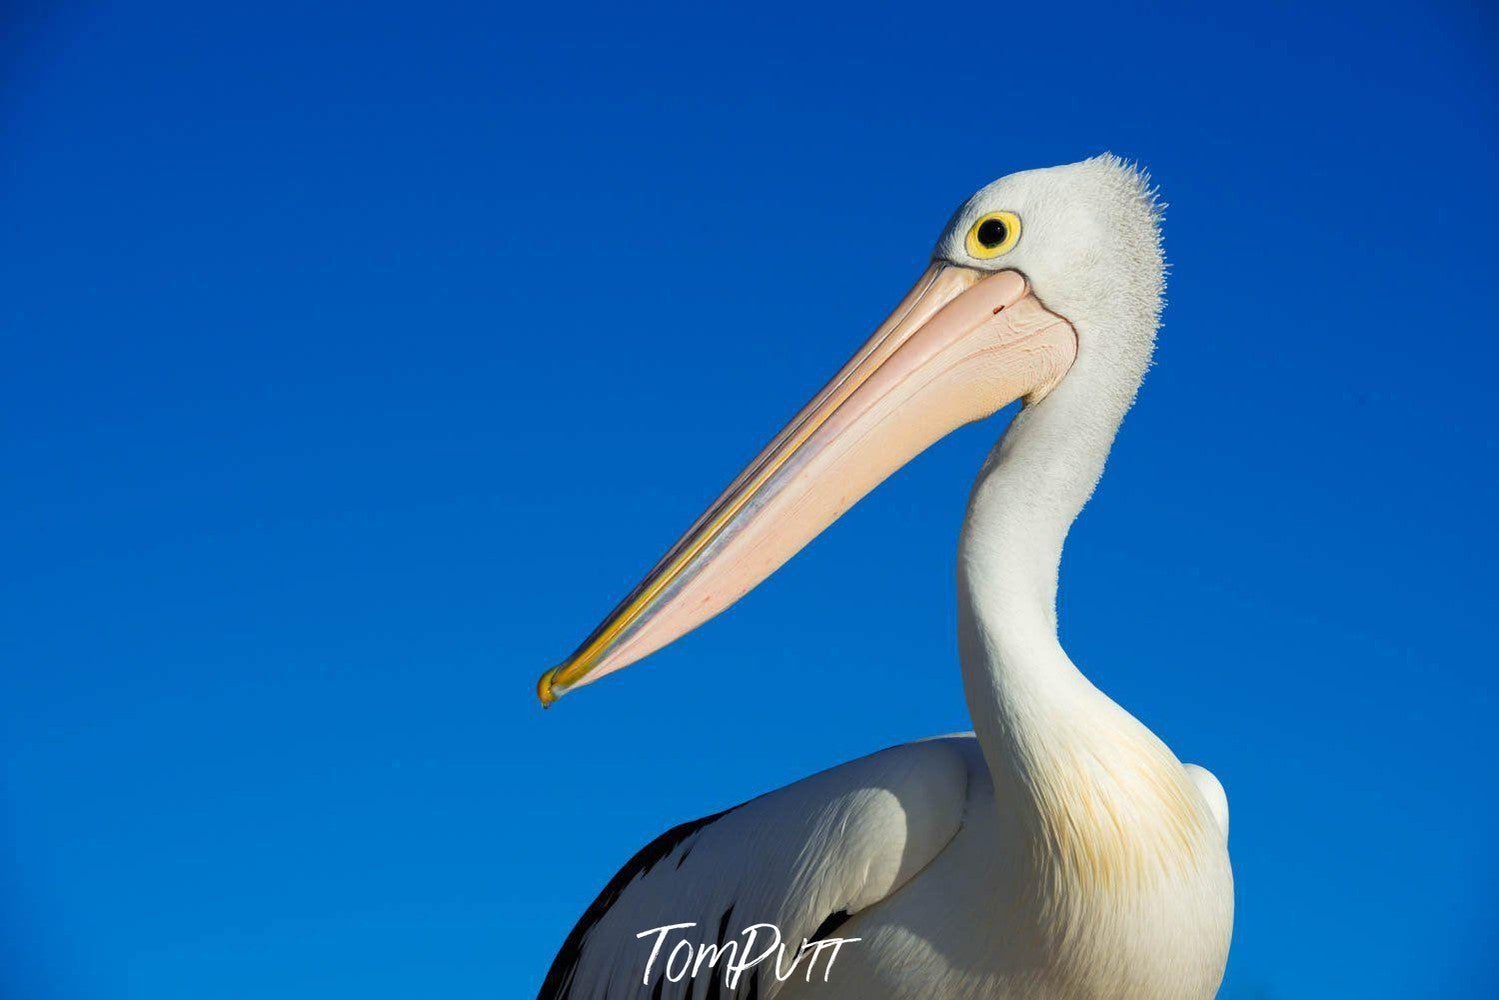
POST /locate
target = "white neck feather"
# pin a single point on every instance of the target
(1084, 788)
(1034, 484)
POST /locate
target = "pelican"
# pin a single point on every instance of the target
(1060, 850)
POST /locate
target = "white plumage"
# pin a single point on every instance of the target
(1061, 851)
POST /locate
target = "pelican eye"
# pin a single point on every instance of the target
(994, 234)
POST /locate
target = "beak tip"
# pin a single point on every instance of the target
(544, 690)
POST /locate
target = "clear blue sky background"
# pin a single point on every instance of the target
(357, 360)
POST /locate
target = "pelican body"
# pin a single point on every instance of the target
(1060, 851)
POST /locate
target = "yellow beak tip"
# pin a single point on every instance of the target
(544, 689)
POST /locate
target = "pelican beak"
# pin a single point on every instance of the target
(959, 347)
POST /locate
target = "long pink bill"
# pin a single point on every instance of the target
(960, 346)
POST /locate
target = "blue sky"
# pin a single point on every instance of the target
(356, 360)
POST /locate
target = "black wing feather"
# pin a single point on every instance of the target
(559, 980)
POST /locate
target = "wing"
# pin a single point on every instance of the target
(1212, 794)
(804, 858)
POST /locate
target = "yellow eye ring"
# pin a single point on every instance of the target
(994, 234)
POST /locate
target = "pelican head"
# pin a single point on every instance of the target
(1038, 274)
